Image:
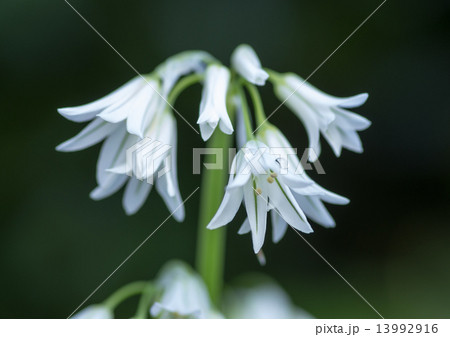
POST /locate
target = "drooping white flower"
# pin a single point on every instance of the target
(122, 119)
(323, 113)
(213, 109)
(264, 300)
(247, 64)
(182, 294)
(96, 311)
(135, 102)
(255, 179)
(182, 64)
(310, 197)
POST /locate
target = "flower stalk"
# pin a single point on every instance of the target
(129, 290)
(210, 256)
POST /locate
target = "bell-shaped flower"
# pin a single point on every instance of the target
(310, 197)
(261, 299)
(323, 113)
(256, 179)
(148, 161)
(95, 311)
(135, 102)
(213, 109)
(247, 64)
(182, 294)
(122, 119)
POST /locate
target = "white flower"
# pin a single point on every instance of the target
(182, 294)
(322, 113)
(266, 300)
(310, 197)
(96, 311)
(255, 179)
(121, 119)
(181, 64)
(213, 109)
(247, 64)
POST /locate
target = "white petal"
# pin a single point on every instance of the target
(351, 141)
(247, 64)
(144, 108)
(282, 199)
(350, 121)
(227, 209)
(213, 104)
(171, 195)
(324, 194)
(245, 227)
(307, 116)
(206, 130)
(179, 65)
(256, 207)
(317, 96)
(238, 178)
(334, 138)
(135, 195)
(315, 210)
(86, 112)
(92, 134)
(354, 101)
(113, 152)
(112, 184)
(279, 226)
(167, 185)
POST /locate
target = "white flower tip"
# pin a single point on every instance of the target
(329, 224)
(343, 200)
(355, 101)
(136, 131)
(130, 210)
(257, 245)
(63, 111)
(96, 194)
(62, 147)
(248, 65)
(212, 225)
(66, 112)
(312, 156)
(179, 215)
(205, 135)
(308, 230)
(261, 77)
(261, 258)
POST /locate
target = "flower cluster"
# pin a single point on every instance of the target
(264, 181)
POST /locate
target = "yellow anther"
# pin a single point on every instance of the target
(270, 180)
(273, 174)
(258, 191)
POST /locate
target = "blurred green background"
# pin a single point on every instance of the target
(392, 240)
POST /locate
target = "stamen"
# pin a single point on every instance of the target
(258, 191)
(270, 180)
(273, 174)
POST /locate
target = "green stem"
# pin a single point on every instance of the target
(182, 85)
(123, 293)
(145, 301)
(257, 103)
(211, 243)
(246, 114)
(274, 77)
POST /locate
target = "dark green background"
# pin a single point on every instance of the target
(391, 242)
